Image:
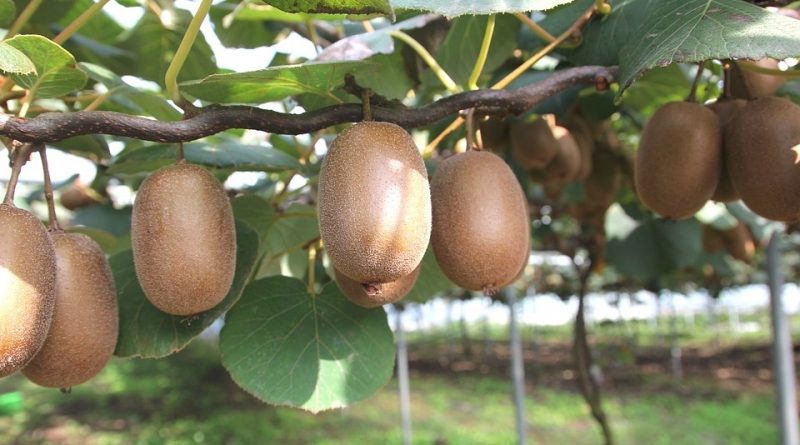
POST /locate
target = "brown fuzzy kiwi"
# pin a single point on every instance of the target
(761, 157)
(599, 189)
(533, 145)
(679, 159)
(84, 331)
(481, 228)
(725, 109)
(739, 243)
(494, 134)
(370, 296)
(27, 287)
(78, 195)
(763, 85)
(712, 239)
(567, 162)
(583, 138)
(184, 239)
(374, 203)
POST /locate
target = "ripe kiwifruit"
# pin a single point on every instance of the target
(27, 287)
(184, 239)
(738, 242)
(583, 138)
(713, 241)
(78, 195)
(494, 134)
(599, 189)
(374, 203)
(763, 85)
(761, 157)
(566, 164)
(725, 109)
(480, 221)
(533, 145)
(368, 296)
(679, 159)
(83, 334)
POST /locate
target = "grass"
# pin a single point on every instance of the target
(188, 399)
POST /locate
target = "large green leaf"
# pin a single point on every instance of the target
(153, 45)
(8, 10)
(287, 347)
(14, 61)
(431, 281)
(459, 50)
(225, 155)
(454, 8)
(55, 74)
(131, 99)
(275, 83)
(238, 27)
(333, 6)
(90, 146)
(146, 332)
(643, 34)
(650, 248)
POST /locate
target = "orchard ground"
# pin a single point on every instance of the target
(460, 394)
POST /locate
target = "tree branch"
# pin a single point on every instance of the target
(52, 127)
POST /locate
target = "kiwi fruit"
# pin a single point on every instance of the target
(679, 159)
(494, 134)
(566, 164)
(583, 138)
(599, 189)
(761, 157)
(481, 229)
(83, 334)
(725, 109)
(184, 239)
(78, 195)
(374, 203)
(739, 243)
(713, 240)
(27, 287)
(763, 85)
(533, 144)
(365, 296)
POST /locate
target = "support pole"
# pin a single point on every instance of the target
(783, 352)
(402, 378)
(517, 367)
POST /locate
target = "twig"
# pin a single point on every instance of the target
(48, 190)
(426, 57)
(472, 83)
(52, 127)
(171, 76)
(19, 156)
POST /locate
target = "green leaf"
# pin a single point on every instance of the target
(459, 50)
(431, 282)
(290, 231)
(14, 61)
(650, 248)
(55, 74)
(104, 217)
(153, 45)
(287, 347)
(225, 155)
(8, 10)
(656, 88)
(273, 84)
(238, 27)
(90, 146)
(258, 214)
(452, 8)
(642, 34)
(334, 6)
(146, 332)
(132, 100)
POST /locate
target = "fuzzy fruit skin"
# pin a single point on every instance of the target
(494, 134)
(389, 292)
(763, 85)
(184, 239)
(83, 334)
(566, 164)
(533, 144)
(725, 110)
(481, 229)
(374, 203)
(679, 159)
(761, 157)
(27, 287)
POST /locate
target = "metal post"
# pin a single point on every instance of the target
(783, 353)
(402, 378)
(517, 367)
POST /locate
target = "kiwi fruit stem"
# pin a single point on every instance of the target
(48, 192)
(19, 156)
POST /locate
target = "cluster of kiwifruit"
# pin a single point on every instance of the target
(58, 306)
(732, 149)
(378, 212)
(736, 241)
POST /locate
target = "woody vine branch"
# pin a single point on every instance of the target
(205, 121)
